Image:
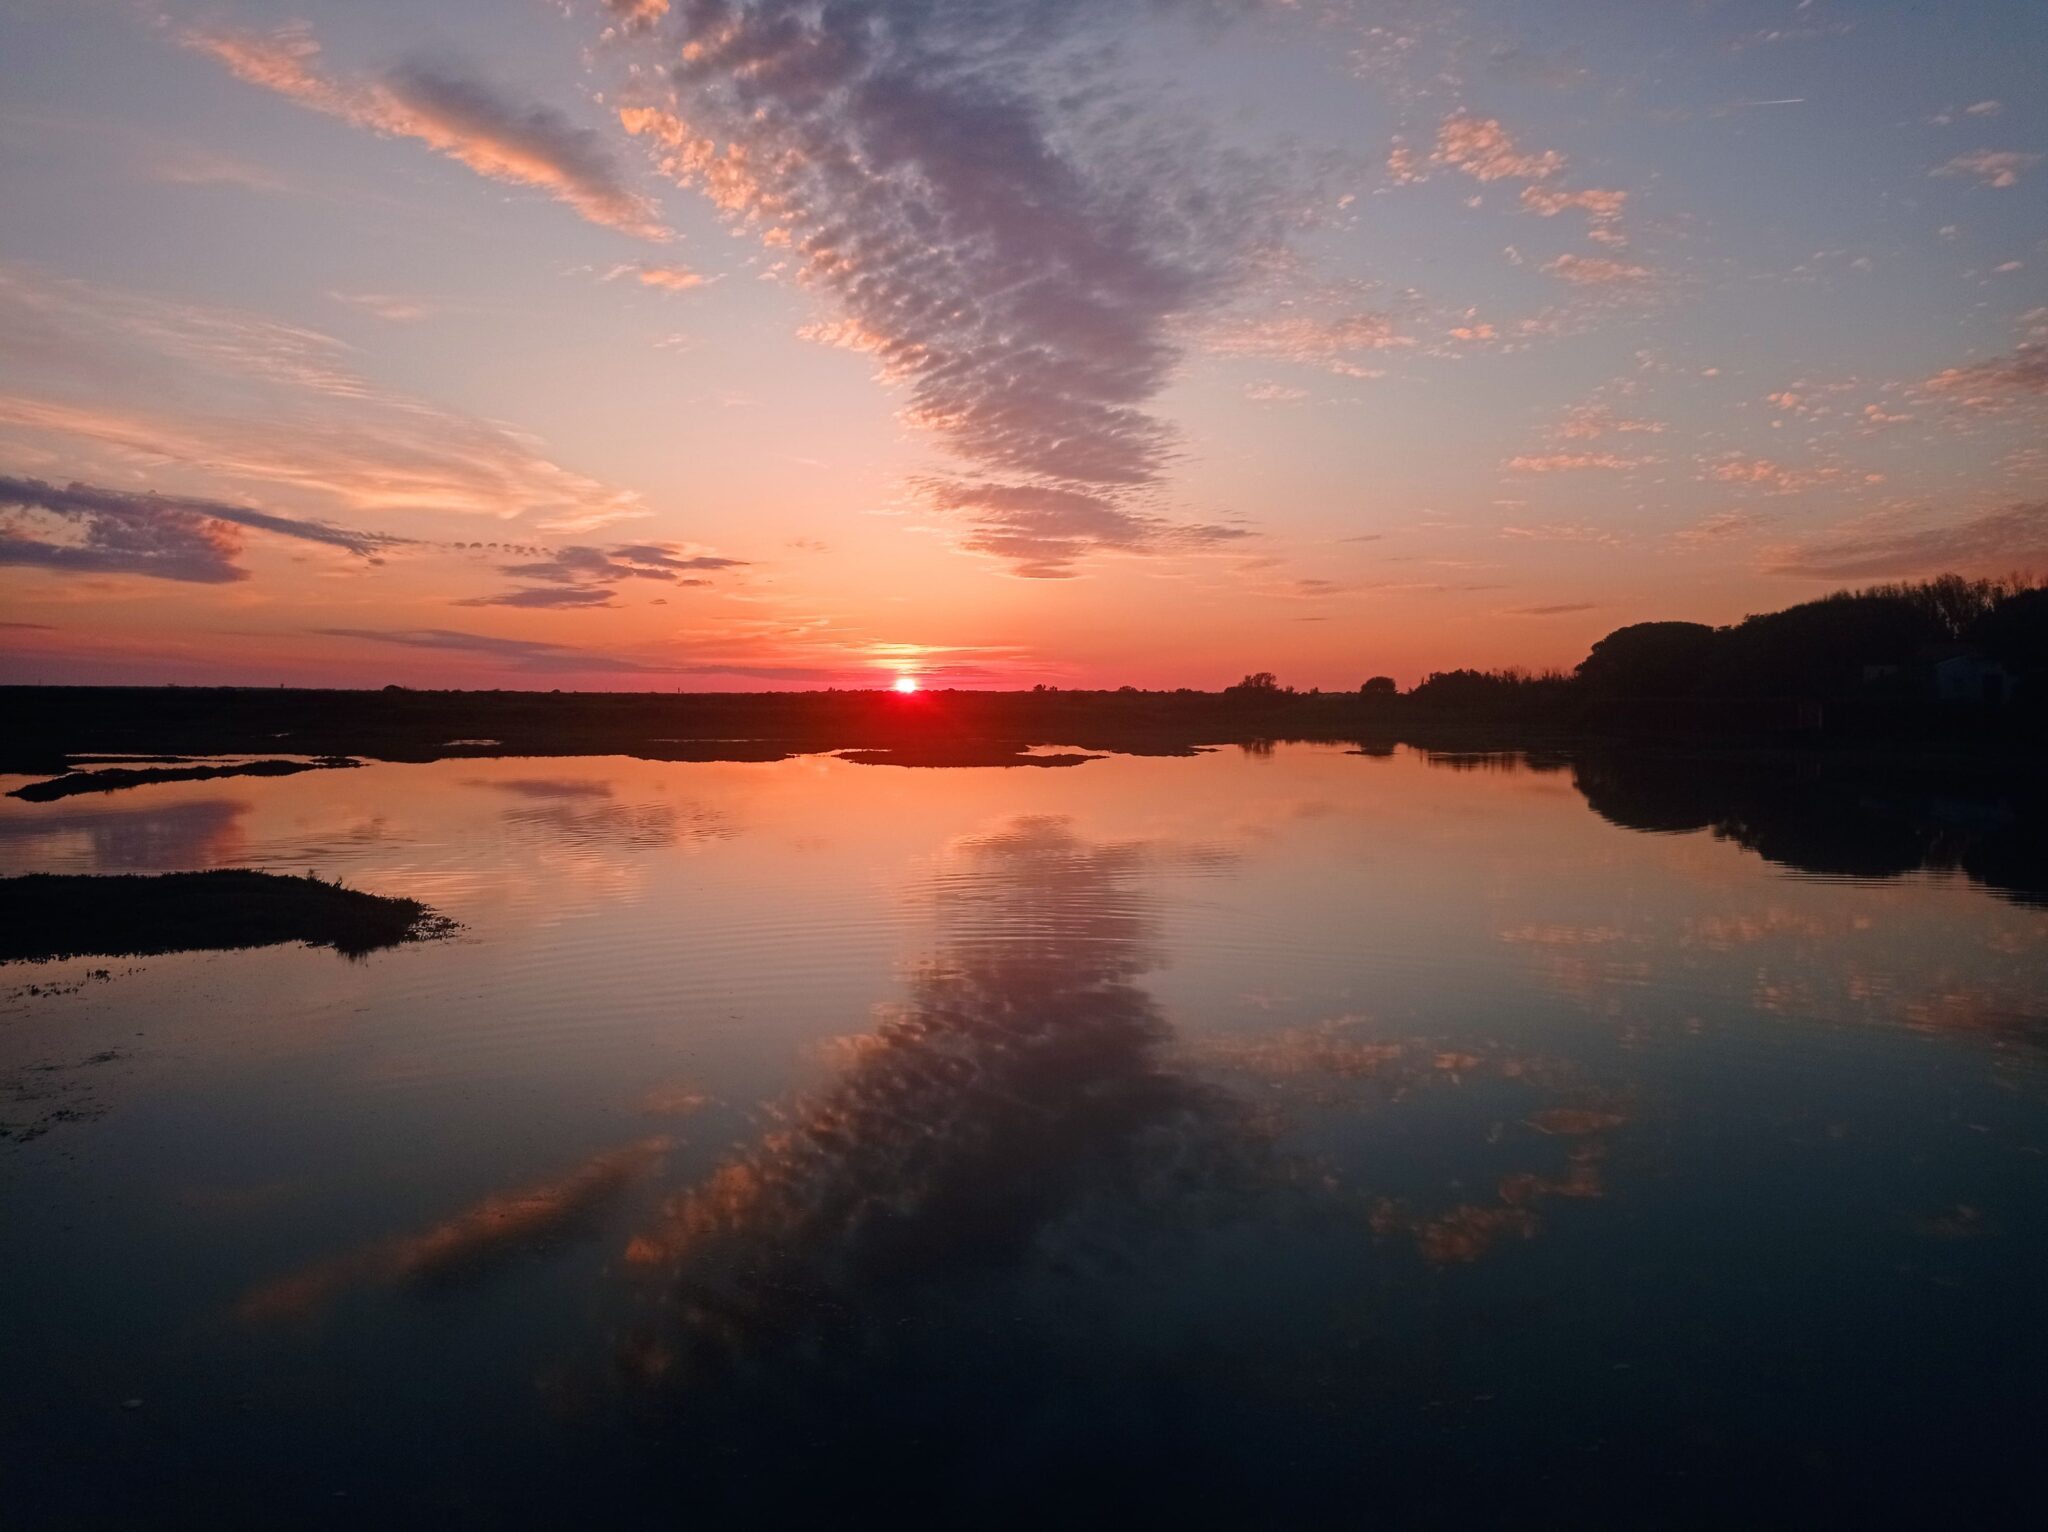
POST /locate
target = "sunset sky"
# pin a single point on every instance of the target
(730, 344)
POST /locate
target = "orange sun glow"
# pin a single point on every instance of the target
(906, 683)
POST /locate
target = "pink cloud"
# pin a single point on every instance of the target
(1307, 338)
(1602, 205)
(1596, 271)
(1586, 422)
(1994, 167)
(1483, 149)
(1561, 532)
(459, 117)
(2022, 371)
(1571, 462)
(1777, 479)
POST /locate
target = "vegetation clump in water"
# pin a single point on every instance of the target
(47, 915)
(114, 779)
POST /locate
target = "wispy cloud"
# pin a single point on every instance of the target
(1587, 422)
(185, 165)
(2023, 371)
(760, 656)
(84, 529)
(1993, 542)
(392, 306)
(1562, 532)
(1337, 341)
(455, 114)
(1778, 479)
(1719, 527)
(518, 653)
(583, 576)
(1043, 531)
(1596, 271)
(1570, 462)
(547, 598)
(669, 277)
(240, 397)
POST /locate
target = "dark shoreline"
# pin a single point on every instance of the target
(50, 726)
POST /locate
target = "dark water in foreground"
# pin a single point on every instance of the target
(1232, 1139)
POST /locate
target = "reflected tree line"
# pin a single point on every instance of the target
(1847, 818)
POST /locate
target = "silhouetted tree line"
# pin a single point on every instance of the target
(1842, 644)
(1872, 643)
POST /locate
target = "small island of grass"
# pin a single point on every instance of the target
(57, 916)
(118, 778)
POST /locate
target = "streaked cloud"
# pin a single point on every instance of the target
(1561, 532)
(184, 165)
(2023, 371)
(1717, 527)
(583, 576)
(454, 114)
(775, 652)
(546, 598)
(392, 306)
(84, 529)
(1043, 531)
(516, 653)
(1570, 462)
(1991, 543)
(239, 397)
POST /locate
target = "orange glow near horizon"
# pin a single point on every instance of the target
(252, 444)
(906, 683)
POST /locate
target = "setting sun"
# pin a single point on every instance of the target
(906, 683)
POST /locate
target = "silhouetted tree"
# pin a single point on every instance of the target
(1379, 686)
(1821, 648)
(2015, 631)
(1496, 690)
(1649, 659)
(1260, 681)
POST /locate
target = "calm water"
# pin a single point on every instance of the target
(1250, 1135)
